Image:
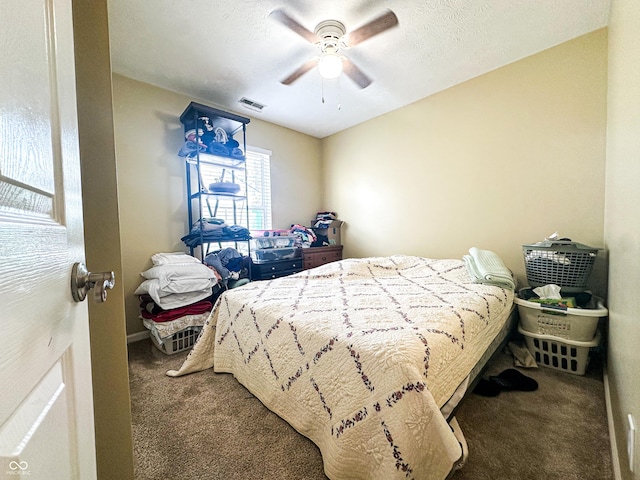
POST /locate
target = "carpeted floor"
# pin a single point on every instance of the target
(558, 432)
(207, 426)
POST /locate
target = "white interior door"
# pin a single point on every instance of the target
(46, 410)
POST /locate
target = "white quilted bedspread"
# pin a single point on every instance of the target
(359, 356)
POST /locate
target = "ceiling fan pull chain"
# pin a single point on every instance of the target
(322, 89)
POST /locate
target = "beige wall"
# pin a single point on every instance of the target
(622, 223)
(296, 168)
(109, 367)
(501, 160)
(151, 177)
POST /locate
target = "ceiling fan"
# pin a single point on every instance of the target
(331, 38)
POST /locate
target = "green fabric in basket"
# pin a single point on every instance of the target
(565, 302)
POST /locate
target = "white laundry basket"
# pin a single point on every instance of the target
(567, 355)
(578, 324)
(179, 341)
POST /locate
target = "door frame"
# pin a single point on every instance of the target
(107, 321)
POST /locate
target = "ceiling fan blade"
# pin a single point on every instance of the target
(299, 72)
(355, 74)
(374, 27)
(293, 24)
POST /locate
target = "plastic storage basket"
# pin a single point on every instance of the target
(273, 249)
(567, 264)
(579, 324)
(179, 341)
(284, 241)
(566, 355)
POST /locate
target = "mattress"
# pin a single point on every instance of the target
(360, 355)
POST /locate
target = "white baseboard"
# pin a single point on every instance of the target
(615, 458)
(136, 337)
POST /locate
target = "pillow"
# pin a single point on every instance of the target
(178, 271)
(172, 258)
(169, 300)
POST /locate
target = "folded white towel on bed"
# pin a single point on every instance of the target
(486, 267)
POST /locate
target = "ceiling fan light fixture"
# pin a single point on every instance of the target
(330, 37)
(330, 65)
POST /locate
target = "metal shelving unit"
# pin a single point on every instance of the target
(215, 155)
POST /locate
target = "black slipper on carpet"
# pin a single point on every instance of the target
(512, 379)
(487, 388)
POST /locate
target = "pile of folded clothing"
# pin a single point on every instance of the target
(176, 294)
(214, 230)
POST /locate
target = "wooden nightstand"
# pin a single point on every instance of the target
(316, 256)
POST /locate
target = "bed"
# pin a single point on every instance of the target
(362, 356)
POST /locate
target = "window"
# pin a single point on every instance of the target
(258, 164)
(259, 184)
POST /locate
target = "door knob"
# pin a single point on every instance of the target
(82, 280)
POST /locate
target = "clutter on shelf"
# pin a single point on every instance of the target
(205, 137)
(224, 187)
(216, 179)
(214, 230)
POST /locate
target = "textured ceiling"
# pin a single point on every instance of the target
(221, 51)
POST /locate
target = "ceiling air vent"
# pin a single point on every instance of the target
(251, 104)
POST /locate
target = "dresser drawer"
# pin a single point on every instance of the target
(263, 271)
(316, 256)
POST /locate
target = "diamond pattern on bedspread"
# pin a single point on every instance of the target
(386, 313)
(338, 349)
